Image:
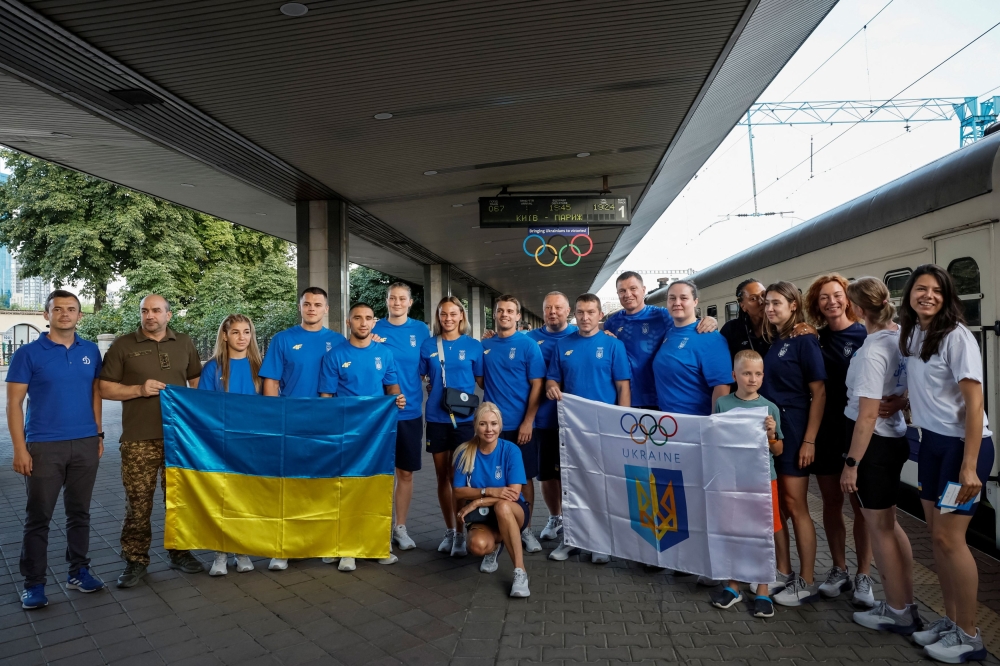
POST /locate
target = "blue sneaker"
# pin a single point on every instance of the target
(83, 581)
(34, 597)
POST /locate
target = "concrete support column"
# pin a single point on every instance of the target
(322, 251)
(437, 285)
(477, 311)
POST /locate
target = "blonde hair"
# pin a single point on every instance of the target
(813, 312)
(790, 293)
(221, 353)
(463, 326)
(465, 454)
(871, 295)
(747, 355)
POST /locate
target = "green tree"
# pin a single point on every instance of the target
(372, 287)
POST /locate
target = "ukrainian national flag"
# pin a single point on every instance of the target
(279, 477)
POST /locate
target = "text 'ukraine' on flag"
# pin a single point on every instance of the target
(279, 477)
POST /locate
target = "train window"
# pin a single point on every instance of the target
(713, 311)
(895, 281)
(732, 310)
(965, 272)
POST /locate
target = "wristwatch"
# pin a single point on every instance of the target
(849, 461)
(483, 492)
(101, 435)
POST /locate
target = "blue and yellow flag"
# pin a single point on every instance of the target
(279, 477)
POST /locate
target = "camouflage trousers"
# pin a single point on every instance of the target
(142, 462)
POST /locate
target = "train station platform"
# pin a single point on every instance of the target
(427, 609)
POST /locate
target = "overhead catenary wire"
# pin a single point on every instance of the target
(858, 122)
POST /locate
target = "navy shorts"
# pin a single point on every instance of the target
(529, 452)
(445, 438)
(409, 436)
(492, 522)
(547, 445)
(793, 427)
(940, 461)
(879, 469)
(831, 445)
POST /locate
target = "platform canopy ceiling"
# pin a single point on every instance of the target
(238, 110)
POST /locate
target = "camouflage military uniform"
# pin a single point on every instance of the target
(142, 462)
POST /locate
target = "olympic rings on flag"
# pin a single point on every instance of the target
(557, 254)
(649, 430)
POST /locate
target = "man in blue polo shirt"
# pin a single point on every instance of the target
(513, 374)
(291, 366)
(642, 329)
(404, 336)
(591, 365)
(60, 443)
(361, 367)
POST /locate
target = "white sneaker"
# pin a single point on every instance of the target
(883, 618)
(459, 549)
(392, 559)
(863, 596)
(278, 564)
(600, 558)
(553, 528)
(837, 581)
(489, 564)
(957, 647)
(780, 581)
(531, 544)
(219, 567)
(243, 564)
(330, 560)
(796, 593)
(562, 552)
(448, 542)
(347, 564)
(520, 586)
(932, 634)
(403, 539)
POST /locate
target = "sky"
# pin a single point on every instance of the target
(903, 43)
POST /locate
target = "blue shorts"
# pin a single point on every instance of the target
(940, 461)
(409, 436)
(793, 427)
(445, 438)
(529, 453)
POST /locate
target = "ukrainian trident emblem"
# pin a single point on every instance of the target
(378, 362)
(656, 504)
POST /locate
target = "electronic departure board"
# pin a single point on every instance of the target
(532, 211)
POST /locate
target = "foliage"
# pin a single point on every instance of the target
(372, 287)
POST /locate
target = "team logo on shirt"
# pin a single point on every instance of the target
(683, 343)
(486, 351)
(498, 474)
(298, 346)
(413, 341)
(461, 354)
(620, 328)
(784, 348)
(378, 362)
(568, 352)
(848, 349)
(513, 350)
(541, 341)
(600, 352)
(656, 504)
(434, 354)
(346, 364)
(86, 360)
(329, 346)
(645, 329)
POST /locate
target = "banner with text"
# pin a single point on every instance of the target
(690, 493)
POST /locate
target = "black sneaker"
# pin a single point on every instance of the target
(186, 562)
(727, 598)
(762, 607)
(134, 571)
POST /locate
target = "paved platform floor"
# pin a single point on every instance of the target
(427, 609)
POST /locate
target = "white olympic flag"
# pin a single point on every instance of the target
(691, 493)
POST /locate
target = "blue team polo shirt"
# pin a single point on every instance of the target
(789, 367)
(294, 357)
(405, 341)
(589, 367)
(642, 334)
(501, 467)
(60, 388)
(510, 364)
(687, 367)
(364, 371)
(240, 377)
(463, 359)
(546, 417)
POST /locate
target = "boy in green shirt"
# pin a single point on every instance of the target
(748, 371)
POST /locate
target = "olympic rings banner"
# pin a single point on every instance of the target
(690, 493)
(552, 248)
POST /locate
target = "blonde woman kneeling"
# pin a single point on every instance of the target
(489, 474)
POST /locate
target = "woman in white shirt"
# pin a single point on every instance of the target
(877, 450)
(944, 371)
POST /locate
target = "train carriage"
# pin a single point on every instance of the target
(946, 212)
